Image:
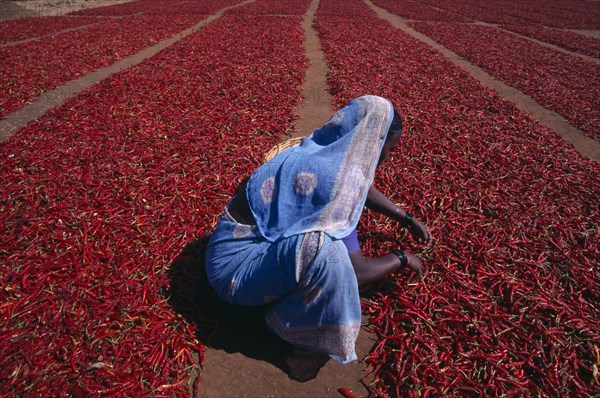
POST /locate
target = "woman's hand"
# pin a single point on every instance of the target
(414, 264)
(420, 232)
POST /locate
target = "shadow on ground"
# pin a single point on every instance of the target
(221, 325)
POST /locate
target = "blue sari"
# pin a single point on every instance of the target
(305, 201)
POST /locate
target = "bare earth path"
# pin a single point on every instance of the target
(316, 108)
(13, 10)
(42, 8)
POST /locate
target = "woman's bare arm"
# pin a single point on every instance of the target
(369, 270)
(379, 203)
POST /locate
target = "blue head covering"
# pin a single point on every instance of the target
(322, 184)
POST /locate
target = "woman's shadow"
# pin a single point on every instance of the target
(220, 325)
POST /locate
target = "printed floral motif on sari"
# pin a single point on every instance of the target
(267, 189)
(305, 183)
(242, 231)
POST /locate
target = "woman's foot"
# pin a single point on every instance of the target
(305, 365)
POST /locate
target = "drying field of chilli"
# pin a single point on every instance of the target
(107, 200)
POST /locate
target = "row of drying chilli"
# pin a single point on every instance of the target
(508, 304)
(568, 40)
(157, 7)
(30, 28)
(567, 14)
(525, 25)
(34, 67)
(414, 10)
(16, 30)
(105, 194)
(560, 82)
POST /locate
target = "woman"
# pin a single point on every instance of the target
(288, 237)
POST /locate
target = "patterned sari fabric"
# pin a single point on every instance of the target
(304, 201)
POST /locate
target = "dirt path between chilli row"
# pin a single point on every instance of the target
(316, 108)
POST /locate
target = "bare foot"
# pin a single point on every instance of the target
(305, 365)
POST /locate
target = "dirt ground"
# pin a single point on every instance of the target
(40, 8)
(254, 368)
